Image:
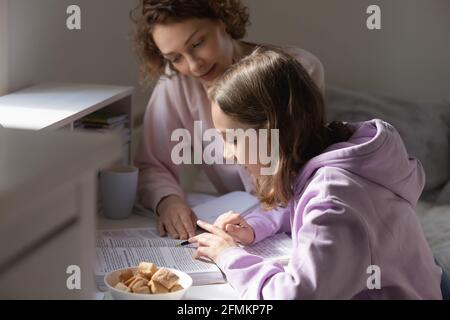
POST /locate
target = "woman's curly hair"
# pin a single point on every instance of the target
(148, 13)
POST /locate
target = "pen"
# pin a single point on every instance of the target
(184, 243)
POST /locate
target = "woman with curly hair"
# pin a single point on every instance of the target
(184, 45)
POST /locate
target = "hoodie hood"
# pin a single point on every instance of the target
(375, 152)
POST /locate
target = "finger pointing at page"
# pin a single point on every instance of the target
(236, 226)
(229, 217)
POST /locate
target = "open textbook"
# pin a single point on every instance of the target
(127, 247)
(123, 248)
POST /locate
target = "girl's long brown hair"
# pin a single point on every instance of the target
(270, 89)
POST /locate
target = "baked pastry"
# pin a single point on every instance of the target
(176, 287)
(147, 269)
(156, 287)
(165, 277)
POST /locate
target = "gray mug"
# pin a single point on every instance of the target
(118, 187)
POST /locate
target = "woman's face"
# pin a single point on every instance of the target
(239, 152)
(199, 48)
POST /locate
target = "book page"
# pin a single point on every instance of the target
(117, 249)
(129, 238)
(237, 201)
(208, 208)
(277, 248)
(195, 199)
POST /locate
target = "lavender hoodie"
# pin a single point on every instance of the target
(354, 207)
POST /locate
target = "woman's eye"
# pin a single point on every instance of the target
(197, 44)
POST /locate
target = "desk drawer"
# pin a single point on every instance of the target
(26, 229)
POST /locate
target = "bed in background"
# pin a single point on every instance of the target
(425, 129)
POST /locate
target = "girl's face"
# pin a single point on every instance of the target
(199, 48)
(239, 152)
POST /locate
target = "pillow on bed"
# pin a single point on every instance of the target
(444, 195)
(421, 126)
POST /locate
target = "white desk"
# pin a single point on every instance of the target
(207, 292)
(47, 210)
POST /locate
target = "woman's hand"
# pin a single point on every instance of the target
(176, 218)
(212, 244)
(236, 226)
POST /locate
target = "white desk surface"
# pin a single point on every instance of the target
(207, 292)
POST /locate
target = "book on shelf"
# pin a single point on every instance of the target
(109, 122)
(105, 118)
(96, 126)
(123, 248)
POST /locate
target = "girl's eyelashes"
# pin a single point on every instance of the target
(175, 60)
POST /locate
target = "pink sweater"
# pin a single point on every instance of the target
(176, 103)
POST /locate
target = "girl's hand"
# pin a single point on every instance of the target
(236, 226)
(176, 218)
(212, 244)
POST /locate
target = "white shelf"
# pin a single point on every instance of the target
(56, 105)
(50, 106)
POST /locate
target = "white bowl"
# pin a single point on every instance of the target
(112, 278)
